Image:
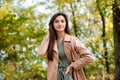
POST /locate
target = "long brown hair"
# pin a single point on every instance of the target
(53, 35)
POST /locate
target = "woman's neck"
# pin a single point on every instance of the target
(60, 35)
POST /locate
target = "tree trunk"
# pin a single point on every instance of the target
(104, 38)
(116, 34)
(104, 44)
(74, 24)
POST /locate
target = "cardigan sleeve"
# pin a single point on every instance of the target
(42, 50)
(86, 55)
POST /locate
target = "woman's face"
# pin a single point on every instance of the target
(59, 23)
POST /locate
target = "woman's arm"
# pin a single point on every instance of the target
(44, 46)
(86, 55)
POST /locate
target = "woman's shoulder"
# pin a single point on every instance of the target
(70, 36)
(73, 38)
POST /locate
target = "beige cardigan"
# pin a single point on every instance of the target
(79, 62)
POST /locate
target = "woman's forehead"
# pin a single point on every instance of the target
(60, 17)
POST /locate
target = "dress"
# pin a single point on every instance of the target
(63, 63)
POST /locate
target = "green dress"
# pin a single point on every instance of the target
(63, 63)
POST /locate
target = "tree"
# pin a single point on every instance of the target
(102, 14)
(116, 33)
(21, 31)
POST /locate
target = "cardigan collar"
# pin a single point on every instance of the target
(67, 37)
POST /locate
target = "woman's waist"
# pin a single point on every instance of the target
(63, 68)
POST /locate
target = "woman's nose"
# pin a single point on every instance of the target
(60, 23)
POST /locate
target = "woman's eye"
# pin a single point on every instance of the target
(62, 21)
(56, 21)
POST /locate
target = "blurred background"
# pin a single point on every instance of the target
(24, 23)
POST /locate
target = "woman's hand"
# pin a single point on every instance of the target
(69, 69)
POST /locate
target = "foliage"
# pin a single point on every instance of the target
(22, 28)
(20, 34)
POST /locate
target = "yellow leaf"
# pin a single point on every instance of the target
(3, 12)
(10, 67)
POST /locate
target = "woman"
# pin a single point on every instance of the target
(61, 49)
